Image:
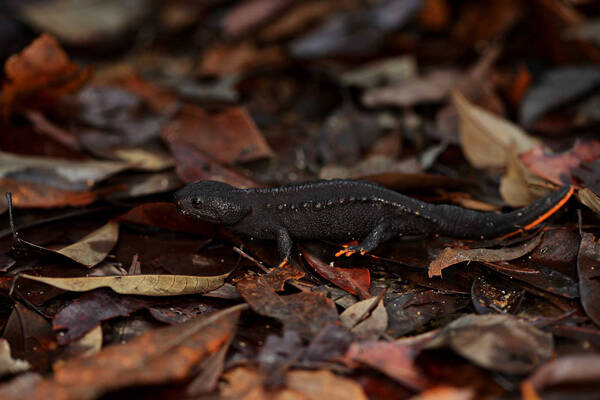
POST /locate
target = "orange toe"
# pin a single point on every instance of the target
(283, 263)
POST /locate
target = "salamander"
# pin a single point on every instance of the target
(347, 210)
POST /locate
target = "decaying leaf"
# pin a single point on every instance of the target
(353, 280)
(451, 256)
(393, 359)
(58, 173)
(42, 69)
(159, 356)
(488, 140)
(305, 312)
(143, 285)
(501, 343)
(37, 195)
(367, 319)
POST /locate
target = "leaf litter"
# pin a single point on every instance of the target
(108, 290)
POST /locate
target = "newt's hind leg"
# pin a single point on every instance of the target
(381, 233)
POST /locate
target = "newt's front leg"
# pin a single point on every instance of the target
(284, 245)
(382, 232)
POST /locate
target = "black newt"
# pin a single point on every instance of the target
(344, 210)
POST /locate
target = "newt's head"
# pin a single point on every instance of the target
(212, 201)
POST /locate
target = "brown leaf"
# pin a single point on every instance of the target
(488, 140)
(239, 58)
(159, 356)
(250, 14)
(500, 343)
(305, 312)
(450, 256)
(590, 199)
(367, 319)
(41, 70)
(432, 87)
(229, 135)
(143, 285)
(394, 360)
(89, 310)
(587, 269)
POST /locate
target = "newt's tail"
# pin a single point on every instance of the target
(459, 222)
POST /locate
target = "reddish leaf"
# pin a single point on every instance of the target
(229, 136)
(165, 216)
(43, 70)
(353, 280)
(558, 168)
(37, 195)
(193, 165)
(250, 14)
(394, 360)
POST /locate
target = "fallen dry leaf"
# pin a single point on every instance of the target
(246, 383)
(590, 199)
(42, 69)
(432, 87)
(159, 356)
(450, 256)
(558, 168)
(307, 313)
(502, 343)
(229, 135)
(9, 365)
(486, 139)
(353, 280)
(59, 173)
(143, 285)
(393, 359)
(37, 195)
(94, 247)
(367, 319)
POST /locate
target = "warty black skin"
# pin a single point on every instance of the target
(344, 210)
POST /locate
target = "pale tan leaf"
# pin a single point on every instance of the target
(590, 199)
(9, 365)
(143, 285)
(94, 247)
(488, 140)
(324, 384)
(514, 186)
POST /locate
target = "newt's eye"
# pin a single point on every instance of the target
(197, 202)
